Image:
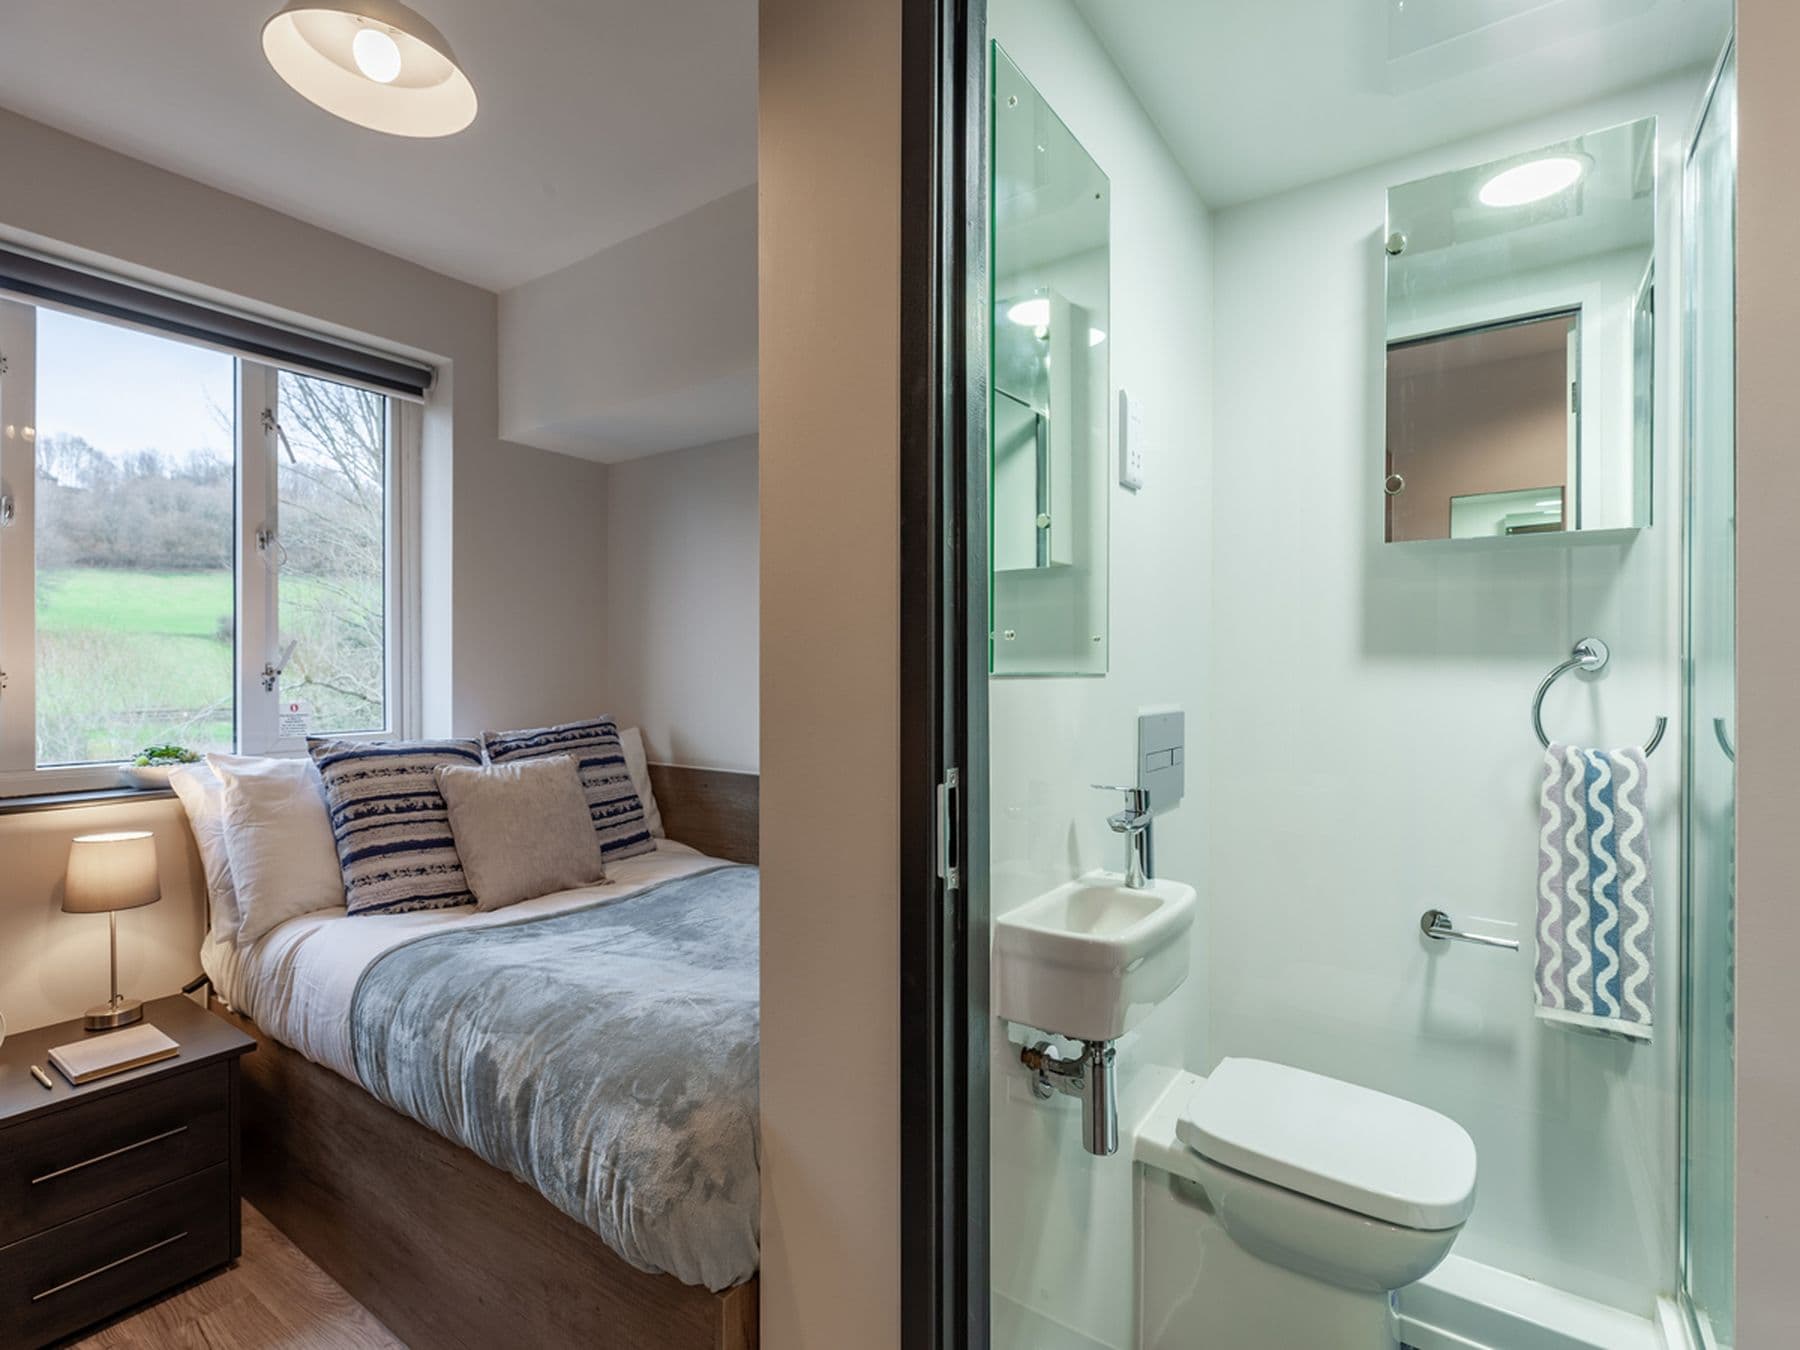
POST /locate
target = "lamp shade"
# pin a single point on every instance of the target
(376, 63)
(111, 871)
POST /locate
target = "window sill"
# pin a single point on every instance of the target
(56, 801)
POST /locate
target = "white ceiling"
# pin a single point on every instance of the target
(599, 119)
(1258, 96)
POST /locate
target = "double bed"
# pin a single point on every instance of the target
(531, 1126)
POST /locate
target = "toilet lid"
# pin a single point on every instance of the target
(1346, 1145)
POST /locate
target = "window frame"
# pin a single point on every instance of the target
(255, 584)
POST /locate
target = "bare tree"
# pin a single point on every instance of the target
(333, 475)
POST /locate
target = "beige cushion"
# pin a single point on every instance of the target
(523, 829)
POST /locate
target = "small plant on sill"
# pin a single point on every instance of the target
(154, 763)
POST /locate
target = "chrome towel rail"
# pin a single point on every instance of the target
(1590, 654)
(1434, 923)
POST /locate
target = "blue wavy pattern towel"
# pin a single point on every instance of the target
(1595, 915)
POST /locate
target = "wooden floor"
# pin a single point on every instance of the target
(273, 1299)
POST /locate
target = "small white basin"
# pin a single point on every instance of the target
(1089, 959)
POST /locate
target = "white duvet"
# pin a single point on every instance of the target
(298, 981)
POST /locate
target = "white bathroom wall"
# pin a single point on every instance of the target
(1062, 1219)
(681, 567)
(1372, 751)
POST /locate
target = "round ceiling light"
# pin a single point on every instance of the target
(1032, 313)
(376, 54)
(372, 62)
(1533, 181)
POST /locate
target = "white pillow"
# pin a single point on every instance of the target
(284, 860)
(638, 766)
(203, 798)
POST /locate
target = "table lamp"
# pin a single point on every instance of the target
(108, 873)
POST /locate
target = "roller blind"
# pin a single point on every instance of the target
(54, 283)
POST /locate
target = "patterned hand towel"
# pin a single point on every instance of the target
(1594, 929)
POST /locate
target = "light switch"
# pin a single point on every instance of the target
(1132, 437)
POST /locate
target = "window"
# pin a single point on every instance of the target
(195, 548)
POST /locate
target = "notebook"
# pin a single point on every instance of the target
(115, 1052)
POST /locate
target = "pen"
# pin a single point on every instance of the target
(41, 1076)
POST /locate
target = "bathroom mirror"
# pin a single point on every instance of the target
(1521, 342)
(1049, 433)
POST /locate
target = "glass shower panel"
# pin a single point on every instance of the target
(1709, 1109)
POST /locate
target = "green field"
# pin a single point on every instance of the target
(102, 599)
(128, 658)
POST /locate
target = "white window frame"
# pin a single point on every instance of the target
(255, 575)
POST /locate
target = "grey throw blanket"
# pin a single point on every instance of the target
(605, 1056)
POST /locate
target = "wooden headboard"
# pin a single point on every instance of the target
(708, 809)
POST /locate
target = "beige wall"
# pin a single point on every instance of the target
(52, 965)
(681, 548)
(647, 346)
(1475, 413)
(1768, 918)
(514, 611)
(829, 146)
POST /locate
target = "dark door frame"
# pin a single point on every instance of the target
(943, 669)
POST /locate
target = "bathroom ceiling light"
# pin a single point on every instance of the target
(1533, 181)
(1033, 313)
(372, 62)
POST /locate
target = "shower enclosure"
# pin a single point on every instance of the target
(1708, 1064)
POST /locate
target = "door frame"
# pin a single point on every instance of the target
(943, 668)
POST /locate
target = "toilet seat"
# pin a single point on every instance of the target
(1332, 1141)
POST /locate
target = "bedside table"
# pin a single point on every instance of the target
(122, 1188)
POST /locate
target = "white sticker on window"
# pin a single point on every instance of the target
(293, 720)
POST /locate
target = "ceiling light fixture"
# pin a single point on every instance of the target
(1533, 181)
(1032, 313)
(376, 54)
(376, 63)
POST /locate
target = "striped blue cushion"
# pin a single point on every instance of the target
(600, 760)
(392, 827)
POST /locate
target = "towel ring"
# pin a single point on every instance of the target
(1590, 654)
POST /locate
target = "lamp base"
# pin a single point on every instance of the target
(120, 1012)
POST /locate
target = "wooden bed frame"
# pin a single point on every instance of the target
(448, 1251)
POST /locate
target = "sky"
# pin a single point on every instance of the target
(125, 391)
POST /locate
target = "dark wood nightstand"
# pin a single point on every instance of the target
(117, 1190)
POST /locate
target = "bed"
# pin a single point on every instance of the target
(401, 1090)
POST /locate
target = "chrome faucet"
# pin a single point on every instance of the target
(1134, 823)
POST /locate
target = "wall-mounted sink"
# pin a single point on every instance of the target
(1089, 959)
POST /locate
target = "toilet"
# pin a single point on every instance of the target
(1282, 1210)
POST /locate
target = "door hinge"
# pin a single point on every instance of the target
(1575, 397)
(949, 802)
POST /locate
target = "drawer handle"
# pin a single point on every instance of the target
(110, 1265)
(102, 1157)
